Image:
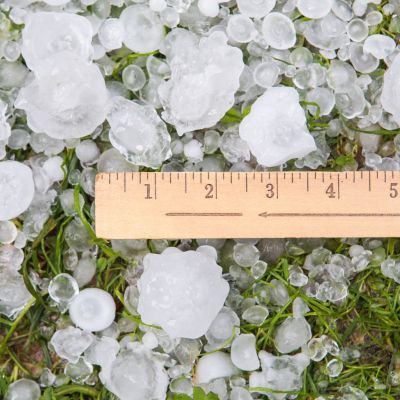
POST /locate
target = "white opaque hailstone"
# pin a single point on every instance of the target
(111, 34)
(314, 8)
(133, 77)
(325, 99)
(70, 343)
(357, 29)
(136, 374)
(170, 17)
(150, 340)
(380, 46)
(63, 288)
(23, 389)
(240, 28)
(282, 373)
(47, 33)
(204, 79)
(17, 189)
(208, 8)
(87, 152)
(181, 291)
(278, 31)
(143, 30)
(362, 62)
(256, 314)
(138, 133)
(255, 8)
(8, 232)
(276, 129)
(293, 333)
(53, 168)
(66, 99)
(214, 365)
(244, 354)
(158, 5)
(92, 309)
(266, 74)
(193, 150)
(390, 97)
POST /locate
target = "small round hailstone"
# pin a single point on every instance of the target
(181, 291)
(390, 97)
(17, 189)
(87, 152)
(133, 77)
(143, 30)
(111, 34)
(276, 129)
(209, 8)
(255, 8)
(193, 150)
(213, 366)
(23, 389)
(380, 46)
(92, 310)
(138, 133)
(266, 74)
(314, 8)
(357, 29)
(278, 31)
(325, 99)
(158, 5)
(66, 99)
(63, 288)
(8, 232)
(240, 28)
(47, 33)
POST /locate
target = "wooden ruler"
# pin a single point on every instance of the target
(148, 205)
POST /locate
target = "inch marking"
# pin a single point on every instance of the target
(203, 214)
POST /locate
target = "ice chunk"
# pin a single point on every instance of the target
(233, 147)
(225, 326)
(244, 354)
(80, 371)
(245, 254)
(391, 269)
(380, 46)
(241, 29)
(136, 374)
(66, 99)
(5, 130)
(92, 309)
(48, 33)
(357, 29)
(17, 189)
(276, 129)
(314, 8)
(292, 334)
(181, 291)
(213, 366)
(23, 389)
(143, 30)
(111, 34)
(283, 373)
(204, 79)
(70, 343)
(334, 368)
(208, 8)
(13, 293)
(133, 78)
(102, 351)
(8, 232)
(138, 133)
(278, 31)
(255, 8)
(256, 314)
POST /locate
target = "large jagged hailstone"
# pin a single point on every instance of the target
(276, 129)
(67, 99)
(138, 133)
(92, 309)
(182, 291)
(17, 189)
(390, 97)
(144, 31)
(47, 33)
(136, 374)
(204, 79)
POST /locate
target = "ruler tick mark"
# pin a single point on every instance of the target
(246, 183)
(124, 181)
(338, 186)
(369, 181)
(277, 186)
(185, 183)
(155, 186)
(308, 184)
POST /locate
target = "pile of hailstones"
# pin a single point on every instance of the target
(130, 84)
